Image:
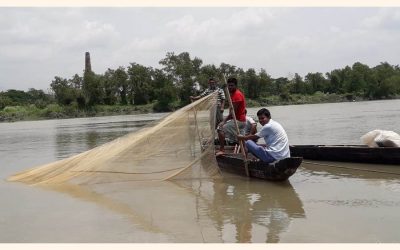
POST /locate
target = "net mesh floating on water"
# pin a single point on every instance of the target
(179, 146)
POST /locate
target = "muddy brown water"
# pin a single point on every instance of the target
(324, 202)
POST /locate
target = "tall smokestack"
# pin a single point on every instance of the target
(88, 66)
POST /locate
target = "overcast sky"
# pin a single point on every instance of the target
(37, 44)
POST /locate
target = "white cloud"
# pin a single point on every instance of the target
(335, 29)
(52, 41)
(385, 18)
(218, 29)
(249, 18)
(295, 43)
(89, 33)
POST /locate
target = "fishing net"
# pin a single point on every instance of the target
(180, 146)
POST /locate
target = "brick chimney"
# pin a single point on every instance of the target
(88, 66)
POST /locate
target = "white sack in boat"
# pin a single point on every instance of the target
(381, 138)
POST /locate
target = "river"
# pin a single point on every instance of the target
(340, 203)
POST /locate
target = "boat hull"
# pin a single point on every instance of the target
(348, 153)
(276, 171)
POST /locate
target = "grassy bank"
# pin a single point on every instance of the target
(295, 99)
(55, 111)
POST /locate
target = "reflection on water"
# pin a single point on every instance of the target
(231, 209)
(256, 211)
(352, 170)
(72, 138)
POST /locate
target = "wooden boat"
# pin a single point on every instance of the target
(275, 171)
(347, 153)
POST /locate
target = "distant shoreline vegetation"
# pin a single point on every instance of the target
(55, 111)
(140, 89)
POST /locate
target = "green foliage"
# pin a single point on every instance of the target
(4, 101)
(167, 100)
(184, 72)
(14, 97)
(269, 100)
(140, 89)
(17, 96)
(139, 82)
(228, 70)
(266, 82)
(252, 103)
(14, 109)
(53, 111)
(206, 72)
(279, 85)
(315, 82)
(251, 84)
(16, 113)
(297, 85)
(110, 87)
(92, 89)
(64, 92)
(119, 79)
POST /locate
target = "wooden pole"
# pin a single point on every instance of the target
(236, 125)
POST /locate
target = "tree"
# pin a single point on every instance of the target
(266, 87)
(251, 84)
(316, 82)
(165, 91)
(393, 83)
(17, 97)
(297, 85)
(206, 72)
(184, 71)
(63, 91)
(346, 79)
(139, 82)
(76, 81)
(120, 79)
(227, 69)
(92, 89)
(39, 98)
(384, 83)
(4, 100)
(110, 87)
(280, 85)
(335, 81)
(360, 74)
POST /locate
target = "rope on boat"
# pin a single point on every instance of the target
(352, 168)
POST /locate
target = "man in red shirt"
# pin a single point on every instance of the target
(226, 128)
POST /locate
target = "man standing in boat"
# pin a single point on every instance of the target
(227, 128)
(275, 137)
(212, 86)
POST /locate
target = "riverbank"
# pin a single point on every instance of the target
(55, 111)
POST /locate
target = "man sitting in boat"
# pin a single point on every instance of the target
(275, 137)
(251, 125)
(250, 129)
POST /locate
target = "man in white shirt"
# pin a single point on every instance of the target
(275, 137)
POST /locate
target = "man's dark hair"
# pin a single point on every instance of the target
(232, 80)
(265, 112)
(211, 79)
